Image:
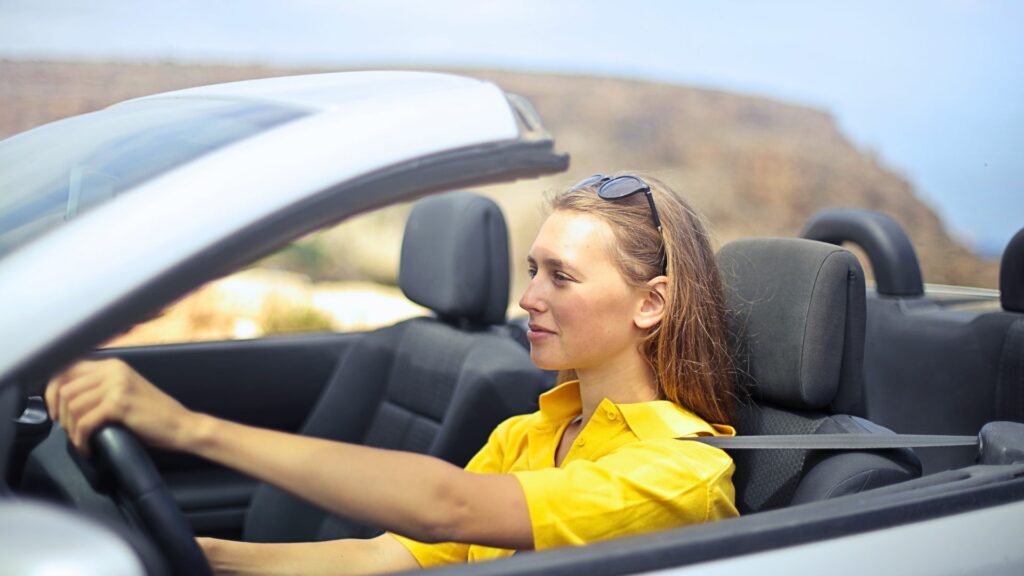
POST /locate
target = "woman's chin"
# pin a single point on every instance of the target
(545, 362)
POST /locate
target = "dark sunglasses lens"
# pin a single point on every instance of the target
(591, 181)
(621, 187)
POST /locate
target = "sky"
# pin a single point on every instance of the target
(934, 89)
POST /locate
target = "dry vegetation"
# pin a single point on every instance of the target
(754, 166)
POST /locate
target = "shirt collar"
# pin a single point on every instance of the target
(648, 420)
(561, 402)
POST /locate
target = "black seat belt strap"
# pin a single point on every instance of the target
(833, 441)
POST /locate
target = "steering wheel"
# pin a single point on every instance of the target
(118, 453)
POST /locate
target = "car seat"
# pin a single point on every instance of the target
(934, 363)
(796, 322)
(434, 385)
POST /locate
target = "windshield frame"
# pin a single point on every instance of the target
(52, 174)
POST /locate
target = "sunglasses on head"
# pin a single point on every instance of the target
(609, 188)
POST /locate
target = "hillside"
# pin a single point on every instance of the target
(754, 166)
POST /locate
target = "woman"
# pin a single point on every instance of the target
(624, 300)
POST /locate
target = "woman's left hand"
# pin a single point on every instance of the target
(93, 393)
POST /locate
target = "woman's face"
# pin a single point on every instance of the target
(581, 308)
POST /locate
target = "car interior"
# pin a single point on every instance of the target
(815, 352)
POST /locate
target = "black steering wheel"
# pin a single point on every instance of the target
(119, 454)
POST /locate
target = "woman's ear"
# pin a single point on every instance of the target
(652, 307)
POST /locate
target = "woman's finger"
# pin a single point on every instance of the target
(88, 424)
(80, 407)
(86, 399)
(51, 396)
(71, 389)
(65, 395)
(57, 383)
(67, 392)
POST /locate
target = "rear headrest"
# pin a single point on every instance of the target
(455, 258)
(891, 255)
(1011, 274)
(796, 322)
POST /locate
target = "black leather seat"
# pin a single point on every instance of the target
(436, 385)
(796, 317)
(934, 363)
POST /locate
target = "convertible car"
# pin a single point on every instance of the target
(897, 407)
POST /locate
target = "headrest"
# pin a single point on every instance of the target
(892, 256)
(455, 258)
(796, 322)
(1011, 274)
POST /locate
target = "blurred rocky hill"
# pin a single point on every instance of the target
(754, 166)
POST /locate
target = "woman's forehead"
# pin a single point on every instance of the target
(576, 238)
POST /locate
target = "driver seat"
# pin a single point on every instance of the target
(434, 385)
(796, 320)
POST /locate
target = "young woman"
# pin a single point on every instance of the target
(624, 300)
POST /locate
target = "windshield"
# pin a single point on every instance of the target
(54, 173)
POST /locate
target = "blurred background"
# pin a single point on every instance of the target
(760, 113)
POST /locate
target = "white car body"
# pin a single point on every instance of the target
(361, 141)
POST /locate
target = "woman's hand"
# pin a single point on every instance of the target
(93, 393)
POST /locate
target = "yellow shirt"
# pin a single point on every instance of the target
(624, 475)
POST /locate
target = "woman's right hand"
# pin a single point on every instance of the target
(90, 394)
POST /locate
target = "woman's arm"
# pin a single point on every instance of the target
(381, 554)
(419, 496)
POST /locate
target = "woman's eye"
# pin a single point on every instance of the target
(532, 272)
(559, 277)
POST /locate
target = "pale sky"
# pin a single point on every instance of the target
(935, 89)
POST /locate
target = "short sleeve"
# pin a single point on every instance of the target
(430, 555)
(643, 487)
(489, 460)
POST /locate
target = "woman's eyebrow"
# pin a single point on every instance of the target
(553, 263)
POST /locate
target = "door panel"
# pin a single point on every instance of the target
(270, 382)
(214, 499)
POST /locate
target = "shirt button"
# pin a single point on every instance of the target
(611, 415)
(581, 442)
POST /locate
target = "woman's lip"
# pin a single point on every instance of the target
(536, 333)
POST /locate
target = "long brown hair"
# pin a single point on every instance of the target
(688, 350)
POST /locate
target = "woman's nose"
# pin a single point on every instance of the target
(531, 301)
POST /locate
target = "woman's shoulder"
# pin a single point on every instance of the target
(696, 458)
(665, 419)
(660, 426)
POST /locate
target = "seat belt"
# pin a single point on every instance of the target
(833, 441)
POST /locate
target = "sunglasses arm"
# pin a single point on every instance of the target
(654, 211)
